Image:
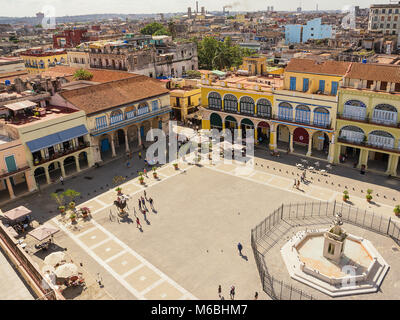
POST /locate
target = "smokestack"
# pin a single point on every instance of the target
(197, 7)
(203, 11)
(190, 13)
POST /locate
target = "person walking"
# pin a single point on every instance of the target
(151, 203)
(232, 293)
(140, 205)
(295, 183)
(140, 155)
(138, 225)
(145, 172)
(145, 195)
(256, 296)
(62, 180)
(219, 291)
(298, 184)
(143, 201)
(240, 247)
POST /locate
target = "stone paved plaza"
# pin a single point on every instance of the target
(189, 246)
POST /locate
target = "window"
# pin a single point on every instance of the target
(369, 84)
(389, 18)
(143, 108)
(395, 18)
(382, 18)
(396, 11)
(101, 122)
(334, 87)
(154, 105)
(383, 85)
(397, 87)
(390, 10)
(302, 114)
(230, 103)
(285, 111)
(293, 83)
(381, 26)
(264, 108)
(214, 100)
(321, 117)
(305, 84)
(388, 25)
(10, 163)
(247, 105)
(383, 10)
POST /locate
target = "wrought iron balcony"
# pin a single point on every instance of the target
(375, 121)
(369, 145)
(62, 154)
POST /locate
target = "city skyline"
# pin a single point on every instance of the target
(24, 8)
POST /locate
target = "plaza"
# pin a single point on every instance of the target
(189, 245)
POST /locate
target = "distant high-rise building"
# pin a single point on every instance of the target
(299, 9)
(268, 8)
(190, 13)
(203, 11)
(272, 8)
(39, 17)
(197, 7)
(313, 30)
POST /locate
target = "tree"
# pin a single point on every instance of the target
(71, 194)
(193, 74)
(83, 74)
(59, 198)
(162, 32)
(152, 28)
(172, 29)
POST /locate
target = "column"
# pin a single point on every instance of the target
(291, 141)
(309, 152)
(331, 152)
(113, 145)
(392, 165)
(272, 138)
(10, 188)
(255, 136)
(62, 170)
(363, 159)
(126, 141)
(78, 167)
(29, 182)
(139, 138)
(46, 172)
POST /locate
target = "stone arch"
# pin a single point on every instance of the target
(214, 100)
(320, 144)
(116, 116)
(230, 123)
(264, 108)
(54, 169)
(133, 135)
(247, 105)
(215, 121)
(301, 135)
(69, 165)
(230, 103)
(263, 131)
(142, 108)
(355, 109)
(40, 175)
(83, 160)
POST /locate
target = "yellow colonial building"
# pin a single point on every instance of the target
(306, 106)
(368, 124)
(185, 98)
(38, 60)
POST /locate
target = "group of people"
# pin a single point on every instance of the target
(232, 293)
(302, 179)
(143, 208)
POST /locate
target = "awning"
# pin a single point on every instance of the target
(17, 213)
(43, 232)
(56, 138)
(20, 105)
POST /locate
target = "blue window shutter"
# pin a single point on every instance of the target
(322, 85)
(293, 83)
(334, 87)
(11, 165)
(305, 84)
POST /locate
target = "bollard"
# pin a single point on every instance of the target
(394, 199)
(319, 180)
(338, 184)
(326, 181)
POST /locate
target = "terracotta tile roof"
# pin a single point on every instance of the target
(99, 75)
(329, 67)
(108, 95)
(374, 72)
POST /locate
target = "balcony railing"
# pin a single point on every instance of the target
(95, 66)
(62, 154)
(275, 117)
(377, 121)
(368, 145)
(5, 173)
(132, 119)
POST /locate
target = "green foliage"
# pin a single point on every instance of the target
(369, 191)
(154, 29)
(59, 198)
(214, 54)
(83, 74)
(231, 17)
(71, 194)
(193, 74)
(396, 210)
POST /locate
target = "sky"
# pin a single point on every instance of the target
(21, 8)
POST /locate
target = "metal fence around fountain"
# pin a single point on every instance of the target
(315, 213)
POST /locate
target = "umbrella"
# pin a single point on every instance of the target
(48, 269)
(43, 232)
(54, 258)
(17, 213)
(66, 270)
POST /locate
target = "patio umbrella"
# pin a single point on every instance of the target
(17, 213)
(54, 258)
(48, 269)
(66, 270)
(43, 232)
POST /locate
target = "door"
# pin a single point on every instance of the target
(334, 87)
(10, 163)
(105, 145)
(142, 131)
(305, 84)
(293, 83)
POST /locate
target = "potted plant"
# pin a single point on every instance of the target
(72, 217)
(62, 209)
(369, 195)
(396, 210)
(85, 212)
(59, 198)
(346, 195)
(119, 191)
(175, 166)
(71, 205)
(155, 172)
(141, 179)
